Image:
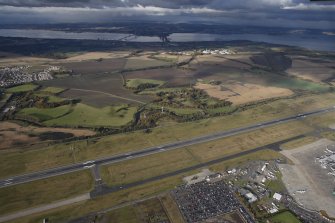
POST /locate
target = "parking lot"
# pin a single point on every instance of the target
(205, 200)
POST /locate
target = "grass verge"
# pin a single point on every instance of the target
(45, 191)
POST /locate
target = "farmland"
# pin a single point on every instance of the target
(84, 56)
(173, 76)
(52, 90)
(95, 67)
(97, 90)
(22, 88)
(239, 93)
(87, 116)
(139, 63)
(82, 115)
(312, 70)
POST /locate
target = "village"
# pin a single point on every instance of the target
(202, 52)
(11, 76)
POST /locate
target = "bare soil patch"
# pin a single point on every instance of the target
(98, 55)
(313, 71)
(239, 93)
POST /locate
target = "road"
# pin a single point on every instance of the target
(153, 150)
(42, 208)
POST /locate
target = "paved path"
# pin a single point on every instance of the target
(108, 94)
(47, 207)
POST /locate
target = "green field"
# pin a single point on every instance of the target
(88, 116)
(262, 77)
(51, 97)
(53, 90)
(55, 99)
(44, 114)
(22, 88)
(297, 84)
(44, 191)
(81, 115)
(284, 217)
(135, 83)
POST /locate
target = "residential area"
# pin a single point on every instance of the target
(11, 76)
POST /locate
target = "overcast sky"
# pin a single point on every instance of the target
(291, 13)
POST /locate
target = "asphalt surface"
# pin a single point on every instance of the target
(104, 189)
(145, 152)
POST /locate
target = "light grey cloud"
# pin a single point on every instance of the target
(311, 7)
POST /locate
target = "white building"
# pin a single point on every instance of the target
(277, 196)
(250, 197)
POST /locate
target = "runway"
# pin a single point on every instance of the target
(152, 150)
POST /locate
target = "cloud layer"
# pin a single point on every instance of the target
(298, 13)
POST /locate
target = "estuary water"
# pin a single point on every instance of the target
(310, 41)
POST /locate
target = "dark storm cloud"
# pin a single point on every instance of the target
(218, 4)
(100, 3)
(254, 12)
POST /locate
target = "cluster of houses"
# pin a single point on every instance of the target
(217, 52)
(11, 76)
(204, 52)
